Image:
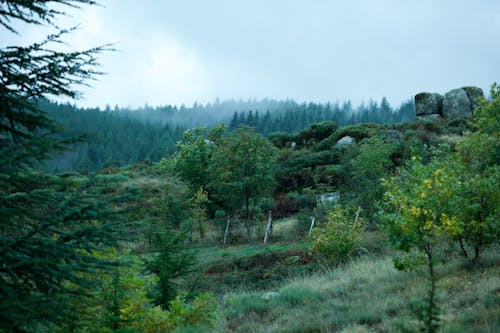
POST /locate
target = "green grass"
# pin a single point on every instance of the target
(212, 255)
(251, 267)
(369, 295)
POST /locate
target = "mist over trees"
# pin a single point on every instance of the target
(123, 135)
(291, 118)
(113, 139)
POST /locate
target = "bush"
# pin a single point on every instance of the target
(358, 132)
(316, 132)
(281, 139)
(338, 238)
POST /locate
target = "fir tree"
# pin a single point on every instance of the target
(48, 227)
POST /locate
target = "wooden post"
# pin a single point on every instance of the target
(269, 228)
(226, 232)
(356, 216)
(313, 219)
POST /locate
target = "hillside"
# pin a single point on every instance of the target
(369, 295)
(287, 285)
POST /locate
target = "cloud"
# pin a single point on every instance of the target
(172, 72)
(185, 51)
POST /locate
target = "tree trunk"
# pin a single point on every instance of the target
(269, 228)
(462, 248)
(477, 253)
(200, 229)
(431, 315)
(249, 232)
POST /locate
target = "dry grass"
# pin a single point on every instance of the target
(369, 295)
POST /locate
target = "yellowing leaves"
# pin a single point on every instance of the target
(415, 211)
(420, 195)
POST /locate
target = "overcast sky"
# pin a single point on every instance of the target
(173, 52)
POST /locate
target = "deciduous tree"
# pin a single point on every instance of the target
(242, 170)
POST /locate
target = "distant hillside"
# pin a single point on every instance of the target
(114, 139)
(121, 136)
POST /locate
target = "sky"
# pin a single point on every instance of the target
(181, 52)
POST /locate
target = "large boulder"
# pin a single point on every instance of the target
(473, 93)
(428, 103)
(456, 104)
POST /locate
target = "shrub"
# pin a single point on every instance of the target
(317, 132)
(338, 238)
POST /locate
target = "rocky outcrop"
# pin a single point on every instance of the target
(473, 93)
(428, 103)
(457, 103)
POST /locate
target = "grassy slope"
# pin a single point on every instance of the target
(369, 295)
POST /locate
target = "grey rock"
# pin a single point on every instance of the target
(346, 141)
(456, 104)
(268, 295)
(361, 251)
(428, 103)
(432, 117)
(473, 93)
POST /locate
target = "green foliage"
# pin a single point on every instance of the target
(140, 316)
(315, 133)
(49, 226)
(305, 169)
(122, 303)
(418, 199)
(476, 163)
(453, 196)
(358, 132)
(486, 114)
(34, 12)
(48, 232)
(171, 261)
(281, 139)
(241, 171)
(113, 138)
(174, 204)
(336, 240)
(194, 154)
(199, 210)
(290, 117)
(372, 161)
